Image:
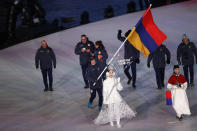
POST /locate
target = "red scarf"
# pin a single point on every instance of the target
(174, 79)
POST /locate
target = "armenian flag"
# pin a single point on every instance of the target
(146, 36)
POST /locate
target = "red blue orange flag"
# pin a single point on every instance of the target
(146, 36)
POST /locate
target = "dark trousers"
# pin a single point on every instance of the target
(133, 70)
(190, 69)
(84, 68)
(93, 95)
(160, 73)
(48, 72)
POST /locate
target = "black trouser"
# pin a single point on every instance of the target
(189, 68)
(133, 70)
(48, 72)
(93, 95)
(84, 68)
(160, 73)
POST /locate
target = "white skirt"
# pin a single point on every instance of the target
(114, 112)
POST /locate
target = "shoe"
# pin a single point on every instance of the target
(179, 118)
(99, 108)
(159, 88)
(129, 81)
(192, 84)
(118, 125)
(134, 86)
(51, 88)
(112, 124)
(89, 105)
(162, 85)
(86, 87)
(46, 89)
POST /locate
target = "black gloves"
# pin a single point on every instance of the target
(148, 65)
(168, 61)
(179, 85)
(119, 31)
(137, 60)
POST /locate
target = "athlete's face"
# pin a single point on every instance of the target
(44, 44)
(177, 70)
(111, 73)
(93, 62)
(185, 40)
(83, 39)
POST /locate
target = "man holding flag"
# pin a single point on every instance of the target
(131, 54)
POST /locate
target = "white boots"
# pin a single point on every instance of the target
(111, 124)
(118, 124)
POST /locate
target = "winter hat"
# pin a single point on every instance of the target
(176, 66)
(185, 36)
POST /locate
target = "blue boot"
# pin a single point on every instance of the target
(89, 105)
(99, 108)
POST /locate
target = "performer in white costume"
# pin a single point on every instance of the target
(114, 107)
(178, 85)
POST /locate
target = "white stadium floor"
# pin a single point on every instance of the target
(25, 107)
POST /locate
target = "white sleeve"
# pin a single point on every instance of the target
(104, 91)
(184, 85)
(119, 85)
(171, 87)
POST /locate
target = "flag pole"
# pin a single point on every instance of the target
(113, 56)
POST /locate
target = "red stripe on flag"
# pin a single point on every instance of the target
(157, 35)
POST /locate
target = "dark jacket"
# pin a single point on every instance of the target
(129, 50)
(46, 58)
(92, 74)
(158, 56)
(103, 53)
(186, 53)
(84, 57)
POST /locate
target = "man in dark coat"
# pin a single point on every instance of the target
(185, 56)
(159, 63)
(132, 54)
(45, 58)
(84, 49)
(92, 74)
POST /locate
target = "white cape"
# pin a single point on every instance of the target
(179, 99)
(114, 107)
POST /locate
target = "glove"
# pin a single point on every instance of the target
(137, 60)
(119, 31)
(168, 61)
(179, 62)
(148, 65)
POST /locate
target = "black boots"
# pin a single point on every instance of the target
(85, 87)
(179, 118)
(46, 89)
(129, 81)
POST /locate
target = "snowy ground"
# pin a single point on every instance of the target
(23, 105)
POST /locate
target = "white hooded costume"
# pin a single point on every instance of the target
(114, 107)
(178, 85)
